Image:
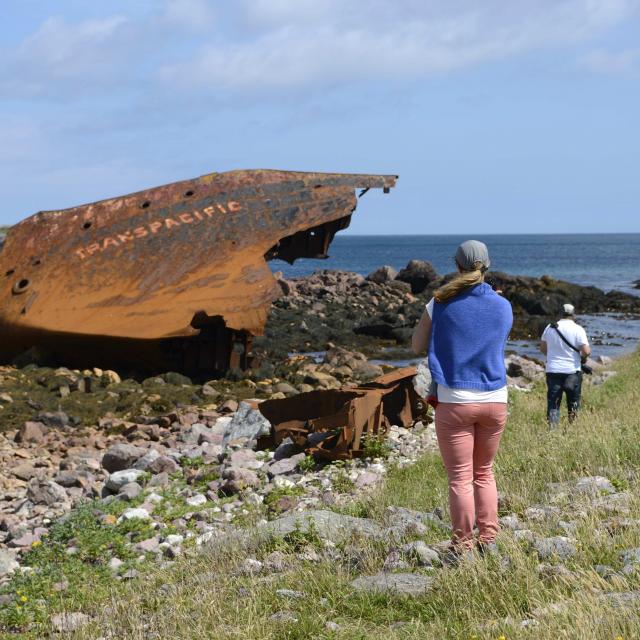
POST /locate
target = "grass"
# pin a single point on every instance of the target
(207, 595)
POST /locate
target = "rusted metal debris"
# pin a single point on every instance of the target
(333, 424)
(174, 277)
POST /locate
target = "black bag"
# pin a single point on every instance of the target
(584, 367)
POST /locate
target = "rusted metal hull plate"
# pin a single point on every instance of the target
(169, 261)
(333, 424)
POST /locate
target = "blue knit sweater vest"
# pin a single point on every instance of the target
(468, 336)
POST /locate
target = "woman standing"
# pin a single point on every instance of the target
(464, 329)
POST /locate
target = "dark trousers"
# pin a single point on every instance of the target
(557, 384)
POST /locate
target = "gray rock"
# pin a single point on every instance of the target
(58, 419)
(289, 594)
(328, 525)
(198, 433)
(524, 534)
(118, 479)
(197, 500)
(286, 388)
(560, 546)
(630, 556)
(622, 599)
(419, 274)
(69, 478)
(31, 432)
(285, 449)
(539, 514)
(616, 503)
(8, 562)
(163, 465)
(554, 571)
(134, 514)
(251, 567)
(121, 456)
(46, 492)
(604, 571)
(69, 622)
(405, 523)
(149, 545)
(286, 465)
(595, 485)
(511, 522)
(283, 616)
(401, 584)
(130, 491)
(244, 459)
(144, 462)
(246, 423)
(385, 273)
(237, 480)
(426, 556)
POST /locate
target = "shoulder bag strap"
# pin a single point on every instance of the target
(555, 326)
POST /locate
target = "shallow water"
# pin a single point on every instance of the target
(610, 334)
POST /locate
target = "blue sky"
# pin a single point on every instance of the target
(498, 116)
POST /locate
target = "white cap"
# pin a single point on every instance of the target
(568, 309)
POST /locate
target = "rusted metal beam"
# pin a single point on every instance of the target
(175, 276)
(333, 424)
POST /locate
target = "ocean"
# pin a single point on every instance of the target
(607, 261)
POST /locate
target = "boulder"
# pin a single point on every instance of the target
(419, 274)
(8, 562)
(31, 432)
(58, 419)
(335, 527)
(559, 546)
(69, 622)
(247, 423)
(383, 274)
(46, 492)
(122, 456)
(398, 584)
(118, 479)
(286, 465)
(163, 464)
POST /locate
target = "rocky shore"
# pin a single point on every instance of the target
(198, 460)
(379, 311)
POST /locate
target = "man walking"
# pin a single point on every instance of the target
(565, 344)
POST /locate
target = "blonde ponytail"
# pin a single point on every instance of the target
(461, 282)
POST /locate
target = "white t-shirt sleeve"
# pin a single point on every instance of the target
(581, 337)
(429, 308)
(545, 333)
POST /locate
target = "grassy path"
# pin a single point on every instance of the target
(209, 595)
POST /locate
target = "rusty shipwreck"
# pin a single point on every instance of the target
(171, 278)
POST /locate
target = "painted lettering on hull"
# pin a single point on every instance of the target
(156, 226)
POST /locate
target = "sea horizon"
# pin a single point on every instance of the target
(607, 261)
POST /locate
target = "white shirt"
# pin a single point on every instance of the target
(560, 357)
(467, 396)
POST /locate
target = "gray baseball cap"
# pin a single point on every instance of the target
(470, 252)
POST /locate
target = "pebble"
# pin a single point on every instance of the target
(134, 514)
(197, 500)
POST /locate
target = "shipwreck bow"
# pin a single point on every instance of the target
(174, 277)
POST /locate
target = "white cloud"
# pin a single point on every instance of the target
(305, 43)
(60, 55)
(611, 62)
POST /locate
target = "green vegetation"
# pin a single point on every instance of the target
(375, 447)
(207, 594)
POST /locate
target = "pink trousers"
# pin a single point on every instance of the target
(468, 437)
